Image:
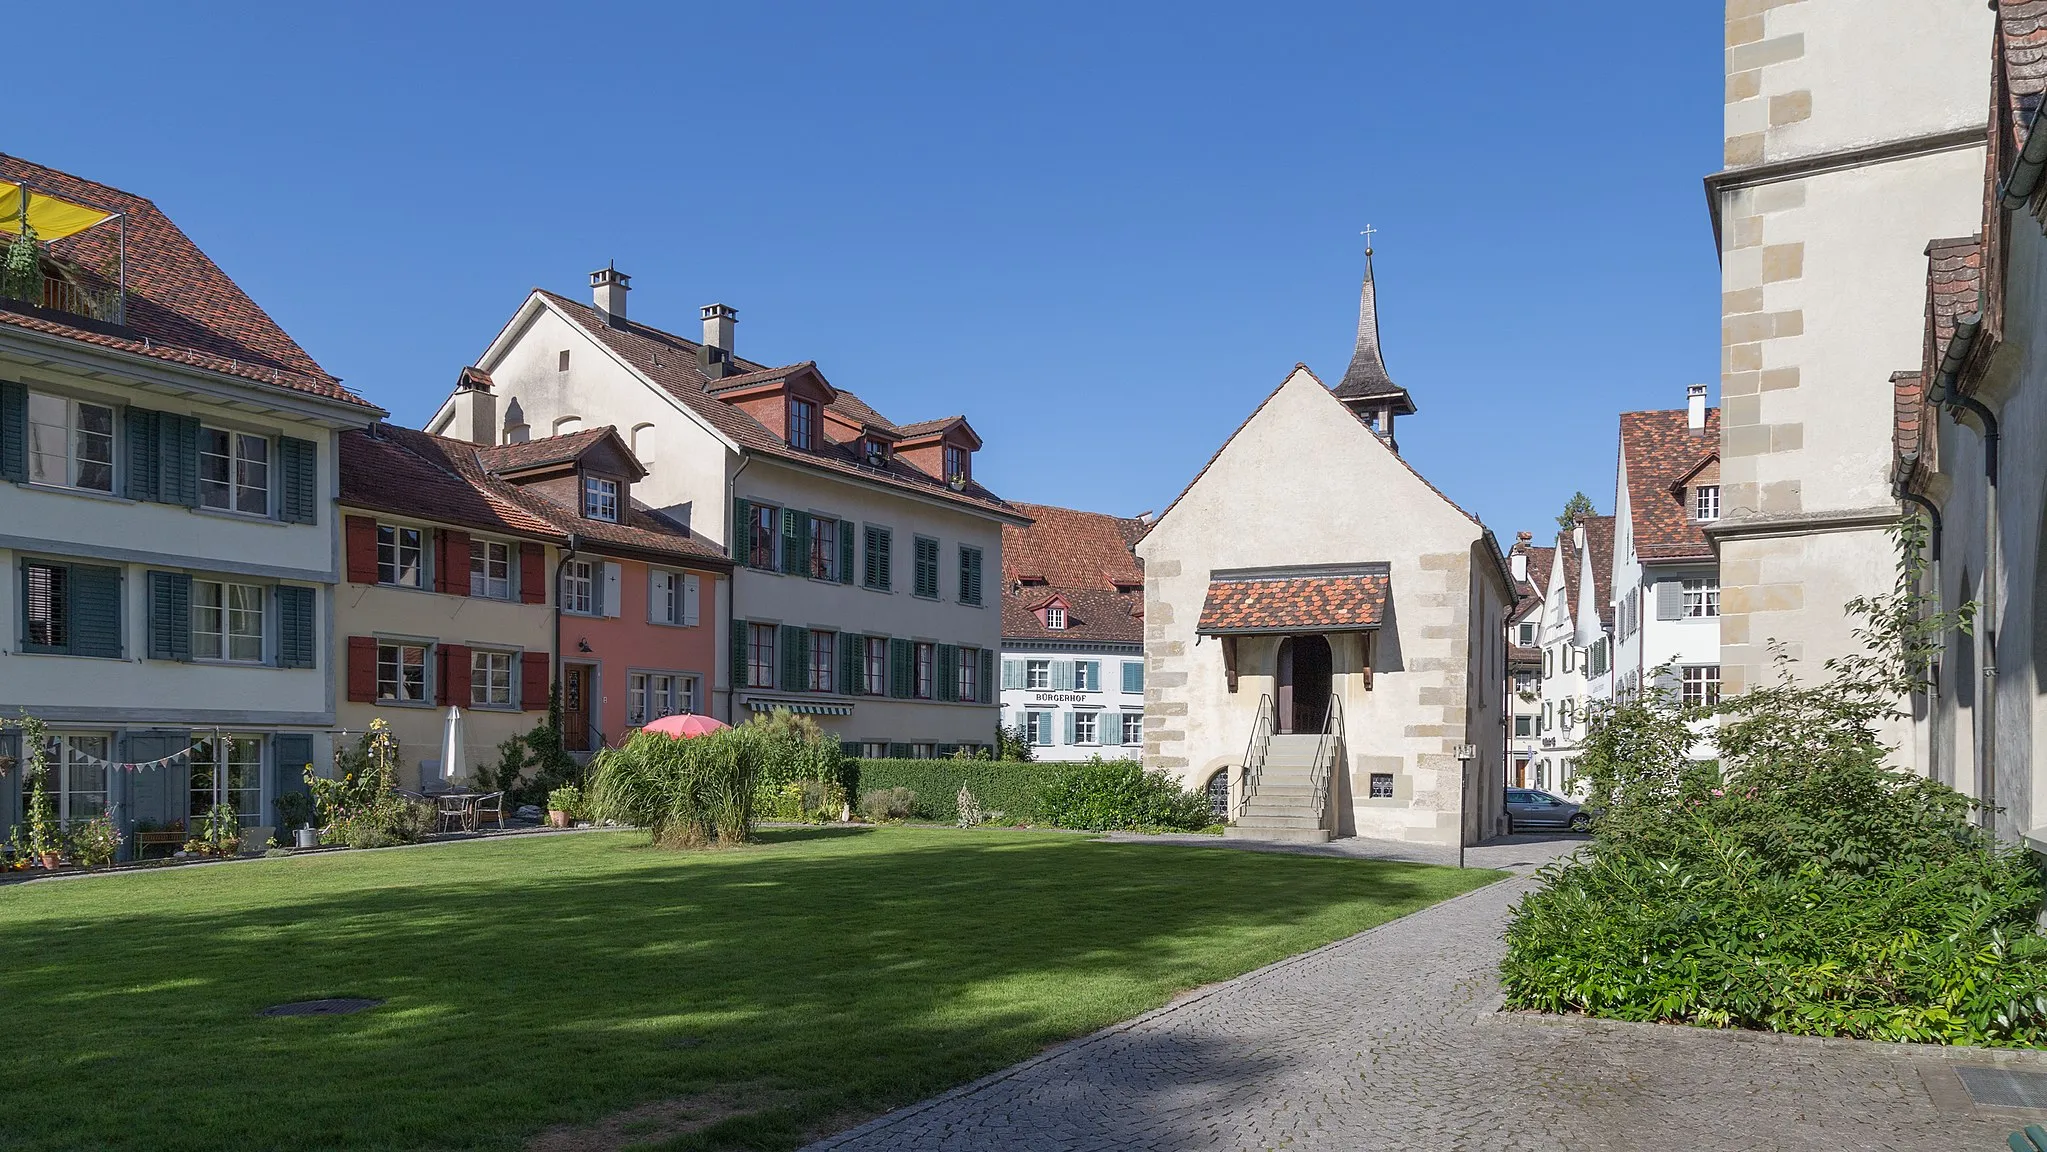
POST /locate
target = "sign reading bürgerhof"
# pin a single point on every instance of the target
(1058, 697)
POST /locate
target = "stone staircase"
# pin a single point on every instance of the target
(1285, 805)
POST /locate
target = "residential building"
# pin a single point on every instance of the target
(1665, 583)
(861, 546)
(446, 600)
(1854, 131)
(1325, 631)
(1576, 644)
(167, 483)
(1073, 634)
(1530, 568)
(1970, 409)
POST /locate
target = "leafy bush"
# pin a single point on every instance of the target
(802, 801)
(219, 833)
(534, 763)
(1102, 794)
(1798, 884)
(797, 752)
(688, 793)
(359, 805)
(1007, 789)
(889, 804)
(294, 810)
(567, 799)
(96, 842)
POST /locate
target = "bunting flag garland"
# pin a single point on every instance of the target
(116, 766)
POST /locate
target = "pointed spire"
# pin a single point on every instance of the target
(1367, 376)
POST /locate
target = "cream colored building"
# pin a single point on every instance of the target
(1325, 629)
(1854, 132)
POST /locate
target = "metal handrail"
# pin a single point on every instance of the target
(1254, 752)
(1325, 749)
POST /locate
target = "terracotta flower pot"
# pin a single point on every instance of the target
(557, 818)
(50, 861)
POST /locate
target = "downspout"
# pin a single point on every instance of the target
(732, 539)
(561, 565)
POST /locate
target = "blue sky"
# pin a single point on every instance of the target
(1104, 231)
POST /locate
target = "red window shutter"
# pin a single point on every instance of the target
(454, 563)
(533, 677)
(532, 574)
(362, 550)
(454, 675)
(362, 668)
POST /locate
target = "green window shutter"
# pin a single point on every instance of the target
(177, 439)
(845, 551)
(13, 431)
(870, 547)
(742, 532)
(170, 616)
(898, 751)
(143, 466)
(793, 531)
(948, 673)
(795, 658)
(296, 643)
(885, 580)
(851, 646)
(926, 571)
(95, 611)
(298, 466)
(740, 629)
(902, 669)
(987, 676)
(290, 753)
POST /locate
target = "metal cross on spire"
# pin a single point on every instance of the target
(1367, 234)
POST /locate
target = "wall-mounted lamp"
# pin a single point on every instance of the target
(582, 645)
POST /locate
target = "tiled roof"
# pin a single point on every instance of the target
(1908, 414)
(1953, 290)
(1287, 603)
(855, 409)
(1068, 548)
(926, 427)
(1598, 542)
(643, 530)
(2022, 42)
(1660, 450)
(1093, 615)
(180, 307)
(409, 473)
(542, 452)
(671, 362)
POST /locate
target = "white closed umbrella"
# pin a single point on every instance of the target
(452, 767)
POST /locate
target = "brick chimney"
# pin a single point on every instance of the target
(608, 287)
(1695, 408)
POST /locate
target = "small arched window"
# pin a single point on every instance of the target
(643, 444)
(563, 425)
(1218, 789)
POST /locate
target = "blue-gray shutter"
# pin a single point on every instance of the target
(10, 780)
(298, 465)
(1670, 600)
(1012, 674)
(170, 616)
(153, 793)
(144, 467)
(177, 439)
(297, 640)
(1133, 675)
(13, 431)
(1094, 675)
(1062, 677)
(1109, 728)
(290, 753)
(95, 611)
(1069, 727)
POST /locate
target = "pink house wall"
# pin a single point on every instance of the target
(630, 642)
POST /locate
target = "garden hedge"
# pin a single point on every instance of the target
(1007, 786)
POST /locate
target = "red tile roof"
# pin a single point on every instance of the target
(2022, 59)
(1598, 542)
(1093, 615)
(1659, 450)
(1954, 285)
(180, 307)
(541, 453)
(1282, 602)
(671, 362)
(409, 473)
(1068, 548)
(1908, 415)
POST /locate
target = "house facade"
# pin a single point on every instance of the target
(1530, 568)
(1576, 650)
(1853, 132)
(861, 547)
(168, 465)
(1336, 665)
(1073, 634)
(1666, 580)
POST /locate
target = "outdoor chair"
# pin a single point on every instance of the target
(454, 808)
(490, 805)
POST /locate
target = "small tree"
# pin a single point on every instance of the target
(1578, 506)
(1013, 744)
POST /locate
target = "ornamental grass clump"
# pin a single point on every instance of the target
(1797, 883)
(690, 793)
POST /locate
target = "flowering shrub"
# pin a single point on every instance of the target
(219, 834)
(359, 803)
(96, 842)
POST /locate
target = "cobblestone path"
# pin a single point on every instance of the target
(1393, 1039)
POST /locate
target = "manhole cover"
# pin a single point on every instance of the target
(2002, 1088)
(340, 1006)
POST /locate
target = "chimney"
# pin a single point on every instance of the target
(1695, 408)
(475, 408)
(718, 322)
(608, 287)
(1578, 533)
(1518, 562)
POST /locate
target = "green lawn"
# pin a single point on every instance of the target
(804, 983)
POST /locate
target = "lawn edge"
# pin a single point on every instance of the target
(890, 1119)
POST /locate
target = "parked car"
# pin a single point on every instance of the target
(1529, 809)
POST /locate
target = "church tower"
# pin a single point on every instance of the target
(1366, 389)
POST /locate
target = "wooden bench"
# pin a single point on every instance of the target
(144, 841)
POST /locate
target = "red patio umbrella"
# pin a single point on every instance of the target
(686, 724)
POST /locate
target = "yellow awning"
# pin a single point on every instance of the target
(52, 218)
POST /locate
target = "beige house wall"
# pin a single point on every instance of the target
(1303, 482)
(1848, 146)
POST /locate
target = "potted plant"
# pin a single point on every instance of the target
(563, 804)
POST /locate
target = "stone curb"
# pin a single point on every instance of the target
(891, 1119)
(1693, 1034)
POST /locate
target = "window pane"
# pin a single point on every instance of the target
(48, 611)
(46, 439)
(216, 468)
(252, 475)
(95, 447)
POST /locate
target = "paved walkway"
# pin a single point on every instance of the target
(1393, 1039)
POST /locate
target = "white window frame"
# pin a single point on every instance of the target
(924, 670)
(968, 678)
(76, 801)
(491, 671)
(69, 457)
(1706, 502)
(1055, 618)
(1702, 598)
(396, 548)
(247, 799)
(1038, 727)
(600, 498)
(398, 650)
(1037, 675)
(579, 588)
(652, 695)
(1699, 685)
(1133, 728)
(236, 493)
(760, 656)
(669, 600)
(1082, 680)
(1087, 727)
(223, 634)
(482, 560)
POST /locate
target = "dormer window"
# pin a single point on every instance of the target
(802, 424)
(1706, 502)
(958, 463)
(874, 451)
(1055, 618)
(600, 498)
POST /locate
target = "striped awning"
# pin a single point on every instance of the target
(797, 704)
